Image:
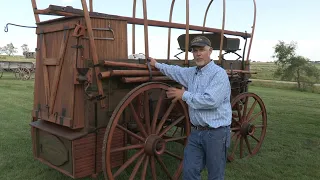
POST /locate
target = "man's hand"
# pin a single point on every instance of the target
(152, 62)
(175, 93)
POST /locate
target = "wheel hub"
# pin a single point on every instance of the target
(154, 145)
(247, 129)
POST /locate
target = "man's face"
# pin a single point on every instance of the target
(201, 55)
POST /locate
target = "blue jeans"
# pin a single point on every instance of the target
(206, 148)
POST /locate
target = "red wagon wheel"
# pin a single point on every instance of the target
(249, 124)
(153, 148)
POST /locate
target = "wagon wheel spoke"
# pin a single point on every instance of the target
(248, 144)
(136, 146)
(164, 168)
(130, 133)
(252, 122)
(147, 112)
(176, 138)
(173, 155)
(252, 108)
(139, 123)
(144, 169)
(136, 167)
(171, 125)
(156, 111)
(126, 164)
(245, 107)
(255, 116)
(164, 118)
(153, 168)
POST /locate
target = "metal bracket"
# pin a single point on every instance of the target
(63, 114)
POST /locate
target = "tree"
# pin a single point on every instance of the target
(294, 67)
(25, 48)
(9, 49)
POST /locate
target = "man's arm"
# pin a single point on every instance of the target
(174, 72)
(212, 97)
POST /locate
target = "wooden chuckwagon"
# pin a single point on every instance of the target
(95, 110)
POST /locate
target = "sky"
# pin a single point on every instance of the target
(285, 20)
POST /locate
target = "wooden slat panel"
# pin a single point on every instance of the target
(84, 165)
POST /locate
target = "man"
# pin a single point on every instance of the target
(207, 93)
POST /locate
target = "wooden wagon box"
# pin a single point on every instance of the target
(68, 127)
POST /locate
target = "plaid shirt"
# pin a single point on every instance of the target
(207, 93)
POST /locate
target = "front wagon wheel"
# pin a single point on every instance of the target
(155, 131)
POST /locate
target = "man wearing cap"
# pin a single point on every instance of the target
(207, 93)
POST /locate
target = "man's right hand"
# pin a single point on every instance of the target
(152, 62)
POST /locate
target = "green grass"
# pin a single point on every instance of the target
(290, 150)
(16, 58)
(266, 70)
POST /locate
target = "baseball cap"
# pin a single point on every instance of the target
(200, 41)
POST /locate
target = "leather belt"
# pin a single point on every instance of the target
(202, 128)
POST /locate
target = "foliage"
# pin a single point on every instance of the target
(9, 49)
(25, 48)
(294, 67)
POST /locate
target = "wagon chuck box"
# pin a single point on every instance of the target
(68, 124)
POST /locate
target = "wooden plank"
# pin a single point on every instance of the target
(34, 7)
(45, 72)
(50, 61)
(93, 48)
(57, 74)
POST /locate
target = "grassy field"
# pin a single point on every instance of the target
(290, 150)
(16, 58)
(265, 70)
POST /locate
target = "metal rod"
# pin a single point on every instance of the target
(205, 16)
(145, 23)
(93, 48)
(252, 33)
(169, 30)
(222, 31)
(91, 5)
(186, 61)
(144, 79)
(134, 27)
(34, 7)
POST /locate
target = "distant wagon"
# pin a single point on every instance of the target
(21, 69)
(95, 110)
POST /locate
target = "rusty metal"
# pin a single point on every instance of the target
(205, 16)
(186, 61)
(134, 27)
(222, 30)
(145, 23)
(252, 33)
(169, 29)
